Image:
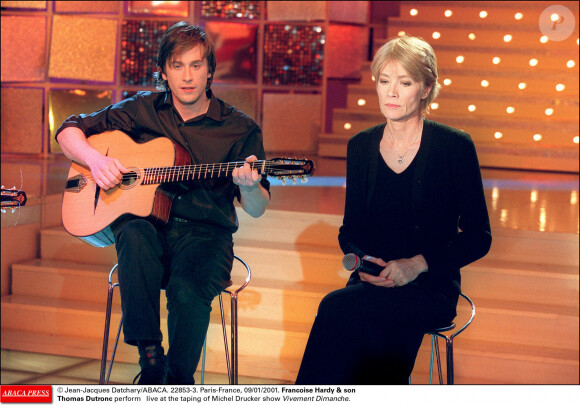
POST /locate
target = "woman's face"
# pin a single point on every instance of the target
(399, 95)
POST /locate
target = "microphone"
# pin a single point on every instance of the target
(352, 262)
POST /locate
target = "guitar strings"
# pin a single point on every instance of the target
(153, 173)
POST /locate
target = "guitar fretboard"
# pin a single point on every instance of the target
(157, 175)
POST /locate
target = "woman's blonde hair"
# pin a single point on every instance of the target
(418, 59)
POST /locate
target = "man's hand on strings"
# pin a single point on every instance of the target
(107, 171)
(245, 176)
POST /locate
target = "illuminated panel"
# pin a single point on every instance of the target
(139, 46)
(22, 120)
(83, 48)
(348, 11)
(86, 6)
(235, 51)
(23, 48)
(168, 8)
(230, 9)
(36, 5)
(64, 103)
(296, 10)
(291, 122)
(293, 54)
(341, 37)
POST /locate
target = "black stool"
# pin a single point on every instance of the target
(435, 333)
(231, 355)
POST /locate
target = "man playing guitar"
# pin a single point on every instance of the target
(191, 255)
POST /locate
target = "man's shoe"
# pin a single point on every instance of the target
(153, 373)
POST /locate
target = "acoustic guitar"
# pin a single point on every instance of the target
(88, 211)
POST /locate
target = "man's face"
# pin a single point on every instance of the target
(187, 75)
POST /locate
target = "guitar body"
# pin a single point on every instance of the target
(88, 211)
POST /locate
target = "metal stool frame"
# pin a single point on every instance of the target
(232, 361)
(437, 333)
(233, 364)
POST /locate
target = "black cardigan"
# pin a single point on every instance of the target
(447, 195)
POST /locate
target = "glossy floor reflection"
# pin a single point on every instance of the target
(34, 368)
(535, 201)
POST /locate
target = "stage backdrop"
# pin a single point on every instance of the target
(69, 57)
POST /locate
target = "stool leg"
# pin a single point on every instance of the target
(450, 371)
(433, 338)
(106, 334)
(203, 359)
(234, 330)
(225, 339)
(114, 350)
(438, 360)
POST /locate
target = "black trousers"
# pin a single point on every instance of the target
(364, 334)
(192, 262)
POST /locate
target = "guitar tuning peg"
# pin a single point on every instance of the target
(3, 211)
(294, 180)
(303, 179)
(283, 181)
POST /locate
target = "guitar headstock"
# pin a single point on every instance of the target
(12, 198)
(286, 168)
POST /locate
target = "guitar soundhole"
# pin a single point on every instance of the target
(130, 179)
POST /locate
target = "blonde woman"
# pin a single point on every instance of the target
(411, 183)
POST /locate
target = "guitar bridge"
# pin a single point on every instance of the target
(76, 184)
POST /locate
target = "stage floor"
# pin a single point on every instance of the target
(537, 201)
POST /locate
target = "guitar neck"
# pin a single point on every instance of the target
(158, 175)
